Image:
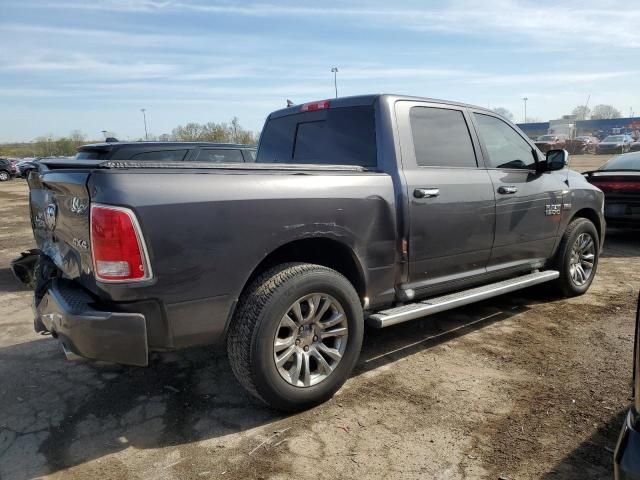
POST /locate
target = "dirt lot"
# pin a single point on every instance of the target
(519, 387)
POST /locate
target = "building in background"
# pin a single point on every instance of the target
(597, 128)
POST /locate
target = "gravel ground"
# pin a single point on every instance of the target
(521, 386)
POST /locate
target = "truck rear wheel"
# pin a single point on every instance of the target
(296, 335)
(577, 257)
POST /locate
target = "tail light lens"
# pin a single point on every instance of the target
(117, 246)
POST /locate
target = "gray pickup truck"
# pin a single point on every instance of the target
(377, 209)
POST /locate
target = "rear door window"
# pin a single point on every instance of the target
(441, 138)
(333, 136)
(219, 155)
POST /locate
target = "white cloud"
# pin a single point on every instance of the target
(87, 65)
(590, 22)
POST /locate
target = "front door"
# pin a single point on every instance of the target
(450, 198)
(528, 204)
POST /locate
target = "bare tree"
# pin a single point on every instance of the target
(504, 112)
(191, 132)
(581, 112)
(605, 112)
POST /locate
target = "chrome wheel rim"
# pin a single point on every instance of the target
(583, 255)
(4, 176)
(310, 340)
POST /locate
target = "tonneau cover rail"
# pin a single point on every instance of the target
(230, 166)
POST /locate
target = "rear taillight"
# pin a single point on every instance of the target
(117, 246)
(310, 107)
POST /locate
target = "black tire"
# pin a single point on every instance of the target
(565, 283)
(4, 176)
(252, 331)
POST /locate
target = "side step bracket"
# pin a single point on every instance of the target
(404, 313)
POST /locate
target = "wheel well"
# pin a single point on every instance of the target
(591, 215)
(321, 251)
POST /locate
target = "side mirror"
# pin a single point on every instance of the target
(556, 160)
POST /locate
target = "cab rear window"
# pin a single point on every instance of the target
(332, 136)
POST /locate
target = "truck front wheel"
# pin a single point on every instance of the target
(296, 335)
(577, 257)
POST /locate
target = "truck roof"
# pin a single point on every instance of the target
(369, 99)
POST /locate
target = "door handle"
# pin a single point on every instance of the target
(426, 192)
(507, 190)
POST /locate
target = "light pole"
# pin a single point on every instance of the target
(525, 108)
(104, 134)
(144, 117)
(334, 70)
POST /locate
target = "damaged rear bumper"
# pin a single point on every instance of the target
(85, 330)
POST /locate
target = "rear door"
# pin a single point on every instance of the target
(528, 204)
(451, 200)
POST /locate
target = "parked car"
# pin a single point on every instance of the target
(626, 459)
(169, 152)
(614, 144)
(619, 179)
(6, 170)
(551, 142)
(582, 144)
(635, 146)
(26, 165)
(356, 208)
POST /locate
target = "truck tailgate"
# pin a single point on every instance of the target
(59, 208)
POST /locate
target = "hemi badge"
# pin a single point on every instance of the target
(566, 206)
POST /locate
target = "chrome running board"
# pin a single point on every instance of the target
(404, 313)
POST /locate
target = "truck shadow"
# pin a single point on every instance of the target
(594, 457)
(56, 414)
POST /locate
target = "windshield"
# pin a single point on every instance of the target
(331, 136)
(547, 137)
(614, 138)
(630, 161)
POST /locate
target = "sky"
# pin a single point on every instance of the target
(92, 65)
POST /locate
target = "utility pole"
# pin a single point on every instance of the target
(144, 117)
(525, 108)
(334, 70)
